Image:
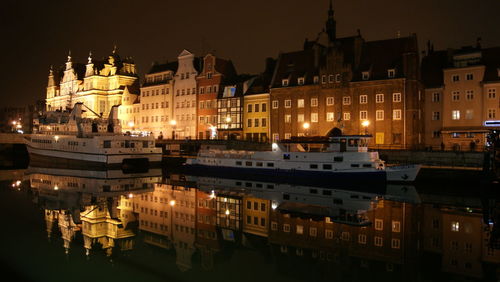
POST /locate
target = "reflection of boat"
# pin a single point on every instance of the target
(95, 142)
(343, 159)
(90, 202)
(341, 205)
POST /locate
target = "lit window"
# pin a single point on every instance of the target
(288, 118)
(284, 82)
(300, 81)
(346, 100)
(365, 75)
(436, 115)
(363, 115)
(396, 97)
(455, 114)
(329, 116)
(379, 98)
(300, 103)
(436, 97)
(328, 234)
(330, 78)
(329, 101)
(469, 114)
(288, 103)
(378, 241)
(300, 229)
(396, 114)
(363, 99)
(379, 115)
(455, 226)
(391, 73)
(314, 117)
(395, 243)
(396, 226)
(286, 227)
(362, 239)
(379, 224)
(300, 118)
(275, 104)
(314, 102)
(347, 116)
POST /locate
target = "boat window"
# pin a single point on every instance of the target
(338, 201)
(248, 184)
(367, 165)
(354, 165)
(270, 186)
(313, 191)
(238, 183)
(107, 144)
(353, 142)
(327, 192)
(238, 163)
(270, 164)
(354, 197)
(338, 159)
(248, 163)
(132, 145)
(313, 166)
(286, 197)
(286, 156)
(259, 164)
(144, 144)
(258, 185)
(327, 166)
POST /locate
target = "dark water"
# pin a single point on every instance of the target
(64, 225)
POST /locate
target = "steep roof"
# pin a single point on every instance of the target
(168, 66)
(293, 65)
(432, 69)
(491, 60)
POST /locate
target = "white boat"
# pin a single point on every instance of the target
(341, 159)
(74, 140)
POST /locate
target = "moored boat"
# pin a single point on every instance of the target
(95, 143)
(341, 159)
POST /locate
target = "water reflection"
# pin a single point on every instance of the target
(304, 232)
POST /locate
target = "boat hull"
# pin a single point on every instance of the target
(375, 178)
(89, 160)
(406, 173)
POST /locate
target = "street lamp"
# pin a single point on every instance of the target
(306, 126)
(131, 124)
(365, 124)
(173, 123)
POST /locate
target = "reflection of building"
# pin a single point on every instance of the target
(210, 81)
(462, 92)
(229, 215)
(256, 215)
(98, 84)
(453, 227)
(206, 229)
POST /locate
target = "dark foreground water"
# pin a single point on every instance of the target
(73, 225)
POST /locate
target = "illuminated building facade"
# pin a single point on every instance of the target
(156, 100)
(99, 85)
(461, 94)
(343, 82)
(184, 99)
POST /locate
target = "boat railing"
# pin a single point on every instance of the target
(225, 154)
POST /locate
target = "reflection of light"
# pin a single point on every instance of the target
(48, 127)
(18, 182)
(227, 212)
(20, 131)
(172, 203)
(130, 196)
(56, 138)
(19, 126)
(173, 122)
(274, 205)
(14, 122)
(13, 185)
(56, 188)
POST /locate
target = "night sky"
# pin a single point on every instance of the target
(37, 34)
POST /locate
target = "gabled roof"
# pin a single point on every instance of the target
(293, 65)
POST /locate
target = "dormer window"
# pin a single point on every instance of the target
(365, 75)
(284, 82)
(391, 73)
(209, 75)
(300, 80)
(316, 79)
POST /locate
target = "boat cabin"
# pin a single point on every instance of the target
(343, 143)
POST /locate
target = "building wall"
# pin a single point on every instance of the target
(256, 216)
(184, 99)
(433, 117)
(256, 122)
(209, 83)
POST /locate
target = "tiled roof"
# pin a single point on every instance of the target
(156, 68)
(491, 60)
(293, 65)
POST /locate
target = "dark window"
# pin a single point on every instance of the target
(338, 201)
(262, 207)
(258, 164)
(367, 165)
(106, 188)
(354, 165)
(249, 205)
(270, 186)
(338, 159)
(327, 166)
(327, 192)
(144, 144)
(286, 156)
(107, 144)
(238, 162)
(258, 185)
(313, 191)
(270, 164)
(238, 183)
(249, 219)
(248, 184)
(313, 166)
(286, 197)
(248, 163)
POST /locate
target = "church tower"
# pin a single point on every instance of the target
(331, 25)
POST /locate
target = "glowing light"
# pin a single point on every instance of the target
(56, 138)
(18, 182)
(130, 196)
(173, 122)
(365, 123)
(56, 188)
(274, 146)
(274, 205)
(131, 124)
(306, 125)
(14, 122)
(19, 126)
(228, 119)
(172, 203)
(212, 195)
(227, 212)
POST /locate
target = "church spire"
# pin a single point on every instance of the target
(331, 28)
(89, 58)
(69, 64)
(51, 81)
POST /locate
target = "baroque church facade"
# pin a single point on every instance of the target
(99, 84)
